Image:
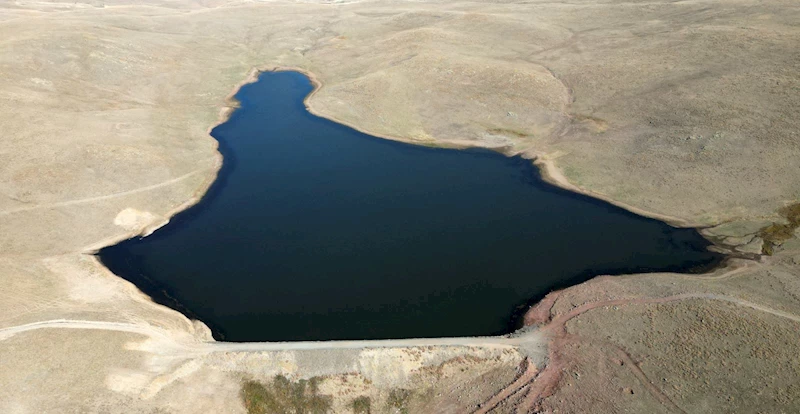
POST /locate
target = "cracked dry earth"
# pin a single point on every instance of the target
(686, 111)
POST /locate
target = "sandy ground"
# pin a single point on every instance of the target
(685, 110)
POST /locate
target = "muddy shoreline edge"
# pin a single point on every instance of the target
(546, 168)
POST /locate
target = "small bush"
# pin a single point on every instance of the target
(398, 398)
(361, 405)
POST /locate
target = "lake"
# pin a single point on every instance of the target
(315, 231)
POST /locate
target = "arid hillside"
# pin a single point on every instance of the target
(688, 111)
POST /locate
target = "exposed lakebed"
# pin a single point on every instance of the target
(315, 231)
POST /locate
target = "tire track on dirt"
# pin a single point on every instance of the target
(546, 383)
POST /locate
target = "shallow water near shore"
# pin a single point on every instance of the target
(315, 231)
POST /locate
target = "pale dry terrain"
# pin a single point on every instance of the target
(684, 110)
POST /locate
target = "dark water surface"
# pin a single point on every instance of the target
(316, 231)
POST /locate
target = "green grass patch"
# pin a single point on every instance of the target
(505, 131)
(778, 233)
(398, 399)
(362, 405)
(283, 396)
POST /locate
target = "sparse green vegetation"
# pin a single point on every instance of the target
(283, 396)
(792, 213)
(573, 175)
(778, 233)
(398, 398)
(506, 131)
(361, 405)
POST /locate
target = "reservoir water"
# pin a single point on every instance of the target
(315, 231)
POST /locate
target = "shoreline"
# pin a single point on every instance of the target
(546, 168)
(130, 126)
